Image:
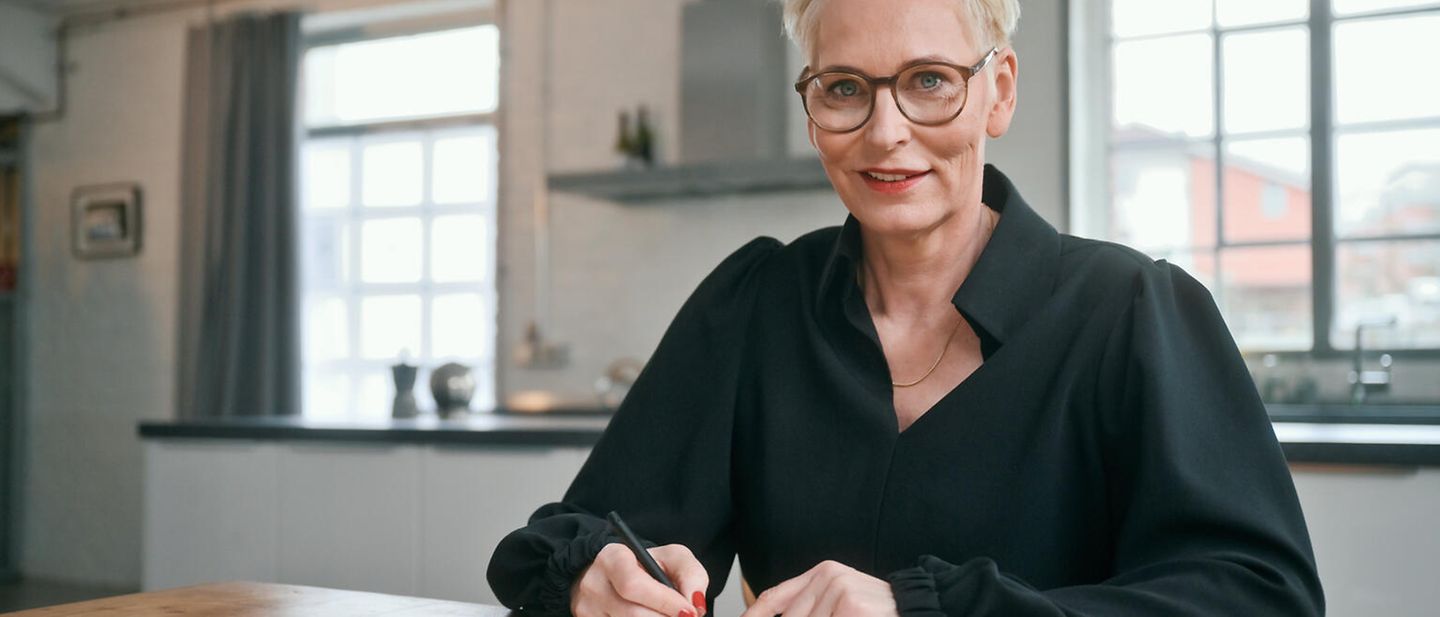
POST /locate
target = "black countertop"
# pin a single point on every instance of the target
(1378, 439)
(539, 429)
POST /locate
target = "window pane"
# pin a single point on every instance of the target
(1142, 17)
(1267, 80)
(462, 169)
(1388, 182)
(326, 334)
(1163, 198)
(1164, 87)
(457, 248)
(1247, 12)
(460, 327)
(327, 395)
(1385, 69)
(1265, 295)
(1382, 280)
(393, 174)
(390, 327)
(374, 395)
(390, 251)
(326, 175)
(326, 252)
(1347, 7)
(1267, 189)
(433, 74)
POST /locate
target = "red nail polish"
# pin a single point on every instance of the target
(686, 614)
(698, 599)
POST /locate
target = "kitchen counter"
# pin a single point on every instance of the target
(536, 429)
(1383, 439)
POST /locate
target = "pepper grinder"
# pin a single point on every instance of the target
(404, 406)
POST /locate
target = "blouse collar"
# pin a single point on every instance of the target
(1014, 275)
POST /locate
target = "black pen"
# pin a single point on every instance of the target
(648, 562)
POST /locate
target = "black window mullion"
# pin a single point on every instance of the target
(1322, 195)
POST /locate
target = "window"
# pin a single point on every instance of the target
(1284, 152)
(398, 196)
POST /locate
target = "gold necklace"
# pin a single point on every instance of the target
(937, 360)
(990, 219)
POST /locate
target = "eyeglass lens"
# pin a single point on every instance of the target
(926, 94)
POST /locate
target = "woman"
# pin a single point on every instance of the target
(941, 407)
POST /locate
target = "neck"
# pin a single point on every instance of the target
(908, 278)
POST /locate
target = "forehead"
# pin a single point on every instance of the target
(878, 36)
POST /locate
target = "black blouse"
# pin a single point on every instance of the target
(1110, 456)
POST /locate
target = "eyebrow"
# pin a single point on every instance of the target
(927, 59)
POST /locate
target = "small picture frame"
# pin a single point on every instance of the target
(106, 220)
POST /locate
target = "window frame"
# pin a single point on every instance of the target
(1091, 147)
(426, 129)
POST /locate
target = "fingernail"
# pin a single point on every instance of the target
(698, 599)
(686, 614)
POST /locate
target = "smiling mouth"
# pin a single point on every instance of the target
(893, 177)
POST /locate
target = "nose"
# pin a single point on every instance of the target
(887, 127)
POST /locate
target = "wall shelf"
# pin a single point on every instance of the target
(696, 180)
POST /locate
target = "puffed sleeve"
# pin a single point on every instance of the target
(1203, 508)
(664, 460)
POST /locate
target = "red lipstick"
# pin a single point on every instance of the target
(912, 177)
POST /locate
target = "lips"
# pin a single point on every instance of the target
(891, 181)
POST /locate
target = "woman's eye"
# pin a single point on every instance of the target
(929, 80)
(844, 88)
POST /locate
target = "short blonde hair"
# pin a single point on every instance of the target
(993, 20)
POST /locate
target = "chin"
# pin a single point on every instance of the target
(899, 218)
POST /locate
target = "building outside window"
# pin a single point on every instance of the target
(398, 183)
(1284, 152)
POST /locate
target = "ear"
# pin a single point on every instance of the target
(1002, 109)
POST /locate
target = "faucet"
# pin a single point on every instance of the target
(1366, 382)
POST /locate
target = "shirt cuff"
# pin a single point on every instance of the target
(565, 564)
(915, 595)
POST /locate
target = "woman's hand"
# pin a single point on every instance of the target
(616, 584)
(828, 589)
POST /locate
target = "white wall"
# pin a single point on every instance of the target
(102, 333)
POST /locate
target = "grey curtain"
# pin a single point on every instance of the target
(239, 296)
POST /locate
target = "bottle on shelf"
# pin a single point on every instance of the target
(644, 137)
(624, 141)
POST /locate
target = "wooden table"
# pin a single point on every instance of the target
(265, 599)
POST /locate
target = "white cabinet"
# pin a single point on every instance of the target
(349, 516)
(212, 512)
(404, 519)
(473, 497)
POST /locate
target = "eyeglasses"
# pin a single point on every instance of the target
(928, 93)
